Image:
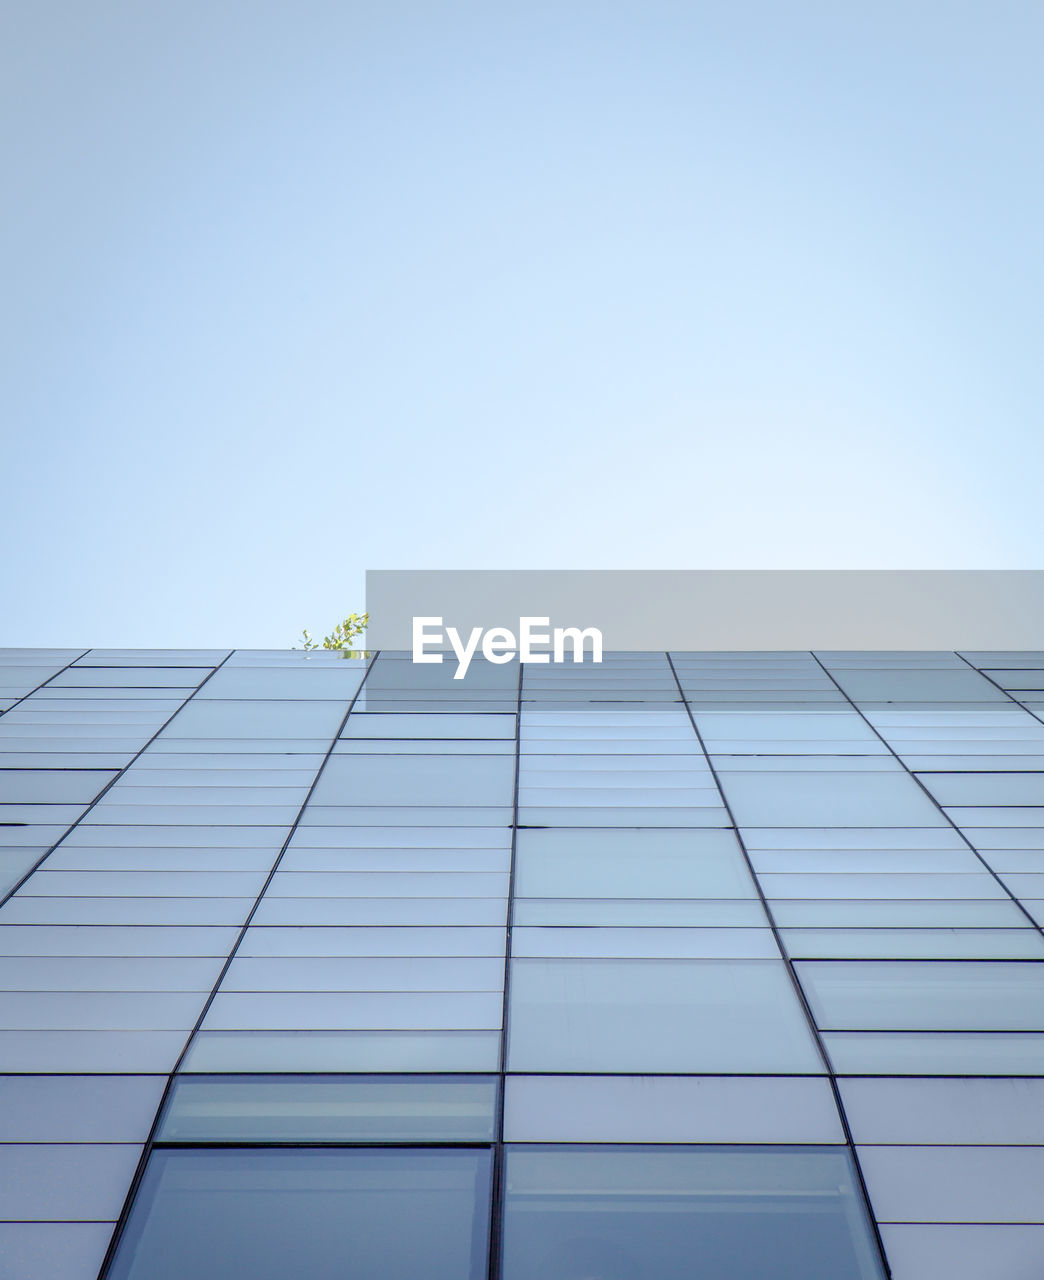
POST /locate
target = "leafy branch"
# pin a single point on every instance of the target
(341, 638)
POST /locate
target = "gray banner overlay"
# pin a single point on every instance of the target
(723, 609)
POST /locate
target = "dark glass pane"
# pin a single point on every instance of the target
(736, 1213)
(325, 1215)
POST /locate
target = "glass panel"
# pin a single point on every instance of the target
(964, 1251)
(954, 1184)
(977, 884)
(361, 1010)
(937, 995)
(628, 1214)
(912, 944)
(330, 1109)
(81, 676)
(24, 909)
(372, 941)
(804, 799)
(335, 1051)
(927, 1053)
(54, 1250)
(301, 682)
(895, 913)
(363, 724)
(381, 911)
(945, 1112)
(94, 1051)
(78, 1108)
(627, 913)
(114, 1010)
(109, 973)
(362, 973)
(214, 719)
(123, 940)
(670, 1109)
(54, 786)
(657, 1016)
(985, 788)
(270, 1214)
(630, 864)
(416, 780)
(922, 685)
(59, 1183)
(754, 944)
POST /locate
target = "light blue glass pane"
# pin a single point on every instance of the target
(273, 719)
(924, 685)
(630, 864)
(935, 995)
(337, 1051)
(802, 799)
(633, 1213)
(891, 913)
(330, 1109)
(273, 1214)
(811, 729)
(395, 673)
(670, 1109)
(363, 724)
(976, 884)
(363, 1011)
(656, 1016)
(131, 677)
(986, 788)
(638, 912)
(334, 681)
(912, 944)
(416, 780)
(677, 943)
(359, 973)
(927, 1053)
(52, 786)
(633, 816)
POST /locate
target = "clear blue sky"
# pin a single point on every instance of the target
(295, 290)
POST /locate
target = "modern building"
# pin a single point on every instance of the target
(725, 965)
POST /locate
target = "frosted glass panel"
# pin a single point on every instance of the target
(656, 1016)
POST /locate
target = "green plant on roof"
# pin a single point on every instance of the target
(341, 638)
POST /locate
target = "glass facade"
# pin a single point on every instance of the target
(313, 966)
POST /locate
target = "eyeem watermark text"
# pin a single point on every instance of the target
(535, 642)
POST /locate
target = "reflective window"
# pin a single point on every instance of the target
(330, 1109)
(274, 1214)
(748, 1213)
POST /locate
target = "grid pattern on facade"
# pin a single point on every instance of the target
(566, 971)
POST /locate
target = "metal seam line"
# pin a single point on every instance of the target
(43, 683)
(112, 781)
(139, 1171)
(795, 982)
(910, 773)
(495, 1259)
